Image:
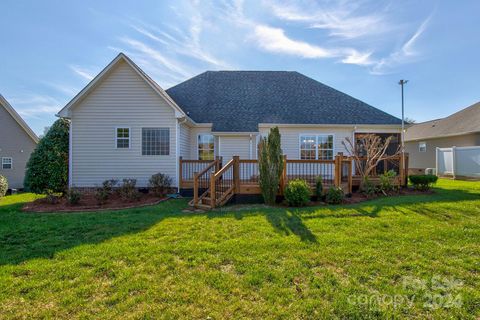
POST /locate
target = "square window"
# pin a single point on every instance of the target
(155, 141)
(422, 147)
(122, 138)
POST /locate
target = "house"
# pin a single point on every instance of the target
(461, 129)
(123, 124)
(17, 142)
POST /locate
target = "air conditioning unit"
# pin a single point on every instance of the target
(432, 171)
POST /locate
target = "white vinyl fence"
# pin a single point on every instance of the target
(458, 161)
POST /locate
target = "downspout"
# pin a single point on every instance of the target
(177, 149)
(250, 148)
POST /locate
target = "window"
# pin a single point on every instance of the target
(155, 141)
(422, 147)
(7, 163)
(123, 138)
(316, 147)
(206, 147)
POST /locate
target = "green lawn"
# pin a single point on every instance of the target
(423, 252)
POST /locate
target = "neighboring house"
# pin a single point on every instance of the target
(461, 129)
(123, 124)
(17, 142)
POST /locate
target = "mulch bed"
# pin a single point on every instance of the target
(89, 203)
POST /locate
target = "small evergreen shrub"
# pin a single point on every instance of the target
(3, 186)
(319, 187)
(423, 181)
(270, 165)
(160, 184)
(334, 195)
(73, 196)
(297, 193)
(52, 198)
(387, 181)
(128, 190)
(108, 185)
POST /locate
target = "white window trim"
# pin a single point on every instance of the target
(420, 149)
(11, 163)
(169, 142)
(214, 144)
(316, 143)
(129, 137)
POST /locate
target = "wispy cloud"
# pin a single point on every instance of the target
(82, 72)
(63, 88)
(34, 106)
(340, 18)
(405, 54)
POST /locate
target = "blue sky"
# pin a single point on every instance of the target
(51, 49)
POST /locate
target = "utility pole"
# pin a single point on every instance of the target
(402, 83)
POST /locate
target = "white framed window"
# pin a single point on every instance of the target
(122, 137)
(7, 163)
(422, 146)
(155, 141)
(319, 146)
(206, 147)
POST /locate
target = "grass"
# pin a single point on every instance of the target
(331, 262)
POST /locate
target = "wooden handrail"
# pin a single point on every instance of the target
(310, 161)
(225, 168)
(207, 168)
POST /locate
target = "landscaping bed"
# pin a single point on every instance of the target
(88, 202)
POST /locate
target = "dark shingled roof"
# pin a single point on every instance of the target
(237, 101)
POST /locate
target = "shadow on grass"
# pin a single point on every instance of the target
(25, 236)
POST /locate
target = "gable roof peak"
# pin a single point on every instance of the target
(6, 105)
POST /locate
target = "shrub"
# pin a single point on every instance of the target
(369, 188)
(270, 165)
(387, 181)
(319, 187)
(423, 181)
(73, 196)
(128, 190)
(108, 185)
(52, 198)
(160, 184)
(47, 168)
(101, 195)
(297, 193)
(3, 186)
(334, 195)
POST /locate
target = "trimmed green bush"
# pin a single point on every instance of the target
(47, 168)
(334, 195)
(297, 193)
(369, 188)
(160, 184)
(423, 181)
(101, 195)
(319, 187)
(3, 186)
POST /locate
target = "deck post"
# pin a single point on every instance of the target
(406, 169)
(236, 173)
(195, 188)
(402, 170)
(213, 193)
(338, 170)
(283, 177)
(350, 174)
(180, 172)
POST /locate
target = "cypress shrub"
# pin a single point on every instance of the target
(270, 164)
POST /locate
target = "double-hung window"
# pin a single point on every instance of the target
(155, 141)
(422, 146)
(122, 137)
(7, 163)
(318, 146)
(206, 147)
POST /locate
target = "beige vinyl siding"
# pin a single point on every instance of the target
(185, 133)
(15, 143)
(291, 138)
(423, 160)
(123, 99)
(235, 146)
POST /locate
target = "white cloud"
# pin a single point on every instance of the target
(407, 52)
(341, 19)
(82, 72)
(32, 105)
(361, 59)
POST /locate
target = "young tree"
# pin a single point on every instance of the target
(270, 164)
(47, 168)
(367, 154)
